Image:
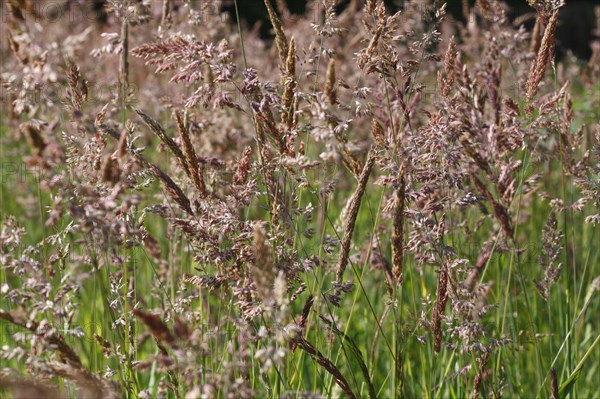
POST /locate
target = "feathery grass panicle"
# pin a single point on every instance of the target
(19, 318)
(15, 47)
(466, 8)
(450, 63)
(551, 249)
(487, 8)
(111, 172)
(78, 90)
(25, 389)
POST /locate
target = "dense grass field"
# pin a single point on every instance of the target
(367, 206)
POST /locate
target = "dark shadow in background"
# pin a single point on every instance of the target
(574, 31)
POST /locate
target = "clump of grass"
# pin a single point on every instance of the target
(232, 223)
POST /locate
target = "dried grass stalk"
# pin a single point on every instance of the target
(350, 219)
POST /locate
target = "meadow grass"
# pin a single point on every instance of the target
(202, 253)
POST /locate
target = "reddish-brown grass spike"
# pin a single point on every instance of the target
(172, 189)
(305, 311)
(450, 62)
(166, 14)
(34, 137)
(378, 134)
(289, 90)
(191, 158)
(438, 311)
(330, 92)
(398, 232)
(243, 168)
(263, 267)
(479, 376)
(162, 135)
(19, 318)
(538, 68)
(160, 331)
(553, 385)
(350, 220)
(338, 377)
(500, 211)
(536, 34)
(280, 39)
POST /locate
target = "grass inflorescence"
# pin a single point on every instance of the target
(369, 205)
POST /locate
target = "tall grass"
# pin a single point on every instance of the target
(372, 205)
